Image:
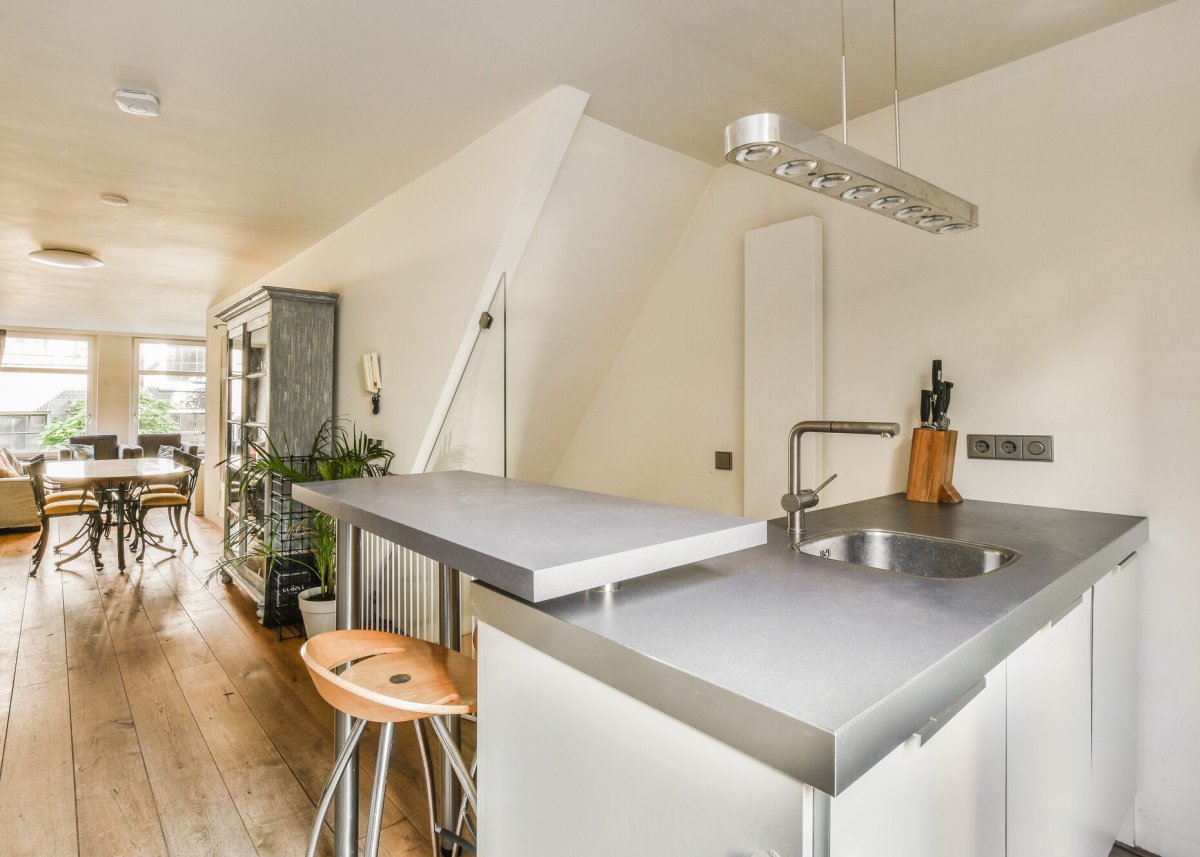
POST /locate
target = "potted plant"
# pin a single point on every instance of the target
(338, 451)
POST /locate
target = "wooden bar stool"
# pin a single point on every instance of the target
(391, 679)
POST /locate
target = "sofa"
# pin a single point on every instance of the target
(17, 507)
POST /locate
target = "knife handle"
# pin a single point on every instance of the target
(937, 377)
(945, 405)
(926, 406)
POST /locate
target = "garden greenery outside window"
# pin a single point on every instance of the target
(45, 382)
(170, 389)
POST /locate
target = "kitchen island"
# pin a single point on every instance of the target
(752, 699)
(733, 706)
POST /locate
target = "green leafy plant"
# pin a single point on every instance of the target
(338, 451)
(61, 429)
(154, 415)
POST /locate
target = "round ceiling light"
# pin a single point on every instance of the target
(66, 259)
(114, 199)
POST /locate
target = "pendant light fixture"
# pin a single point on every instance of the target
(777, 146)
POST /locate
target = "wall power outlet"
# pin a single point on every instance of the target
(1015, 447)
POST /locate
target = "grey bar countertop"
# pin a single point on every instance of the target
(533, 541)
(816, 667)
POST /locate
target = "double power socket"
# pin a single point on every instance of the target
(1029, 447)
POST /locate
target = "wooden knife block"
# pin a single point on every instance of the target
(931, 467)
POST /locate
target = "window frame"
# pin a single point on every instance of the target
(138, 372)
(89, 373)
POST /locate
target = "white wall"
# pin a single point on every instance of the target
(1071, 311)
(618, 207)
(409, 272)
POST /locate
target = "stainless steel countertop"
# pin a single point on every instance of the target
(534, 541)
(816, 667)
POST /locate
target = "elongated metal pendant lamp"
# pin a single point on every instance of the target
(777, 146)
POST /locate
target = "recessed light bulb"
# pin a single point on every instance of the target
(933, 220)
(792, 169)
(951, 228)
(757, 152)
(829, 180)
(912, 211)
(114, 199)
(861, 192)
(886, 202)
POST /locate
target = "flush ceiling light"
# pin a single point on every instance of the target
(66, 259)
(114, 199)
(777, 146)
(138, 103)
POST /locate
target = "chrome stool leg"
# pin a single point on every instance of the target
(375, 817)
(335, 776)
(427, 766)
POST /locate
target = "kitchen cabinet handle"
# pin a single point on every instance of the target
(1066, 612)
(944, 716)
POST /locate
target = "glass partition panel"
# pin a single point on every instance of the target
(473, 434)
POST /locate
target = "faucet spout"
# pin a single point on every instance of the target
(798, 499)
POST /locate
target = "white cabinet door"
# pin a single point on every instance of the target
(1049, 739)
(1114, 700)
(568, 765)
(944, 798)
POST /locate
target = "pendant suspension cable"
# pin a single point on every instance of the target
(895, 82)
(845, 133)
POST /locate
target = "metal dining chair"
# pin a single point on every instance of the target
(178, 504)
(51, 508)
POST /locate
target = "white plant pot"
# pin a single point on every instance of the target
(319, 616)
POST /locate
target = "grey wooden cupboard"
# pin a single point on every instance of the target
(278, 380)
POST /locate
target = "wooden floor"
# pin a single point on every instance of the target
(148, 714)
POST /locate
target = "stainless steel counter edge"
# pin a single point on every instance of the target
(867, 739)
(798, 749)
(828, 761)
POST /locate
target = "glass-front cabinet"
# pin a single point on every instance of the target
(278, 387)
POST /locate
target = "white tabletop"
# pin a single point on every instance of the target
(112, 470)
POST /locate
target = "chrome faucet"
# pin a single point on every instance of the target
(797, 499)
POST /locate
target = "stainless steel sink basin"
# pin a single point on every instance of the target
(908, 553)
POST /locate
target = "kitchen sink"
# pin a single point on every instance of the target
(909, 553)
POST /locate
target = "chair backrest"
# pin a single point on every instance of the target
(186, 459)
(36, 469)
(103, 445)
(151, 442)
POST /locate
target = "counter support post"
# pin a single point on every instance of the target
(449, 633)
(345, 808)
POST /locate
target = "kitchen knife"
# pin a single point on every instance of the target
(943, 421)
(927, 408)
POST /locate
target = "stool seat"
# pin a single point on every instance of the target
(161, 498)
(393, 678)
(389, 679)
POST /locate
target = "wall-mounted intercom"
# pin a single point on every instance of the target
(372, 379)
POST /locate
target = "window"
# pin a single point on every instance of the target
(43, 390)
(170, 389)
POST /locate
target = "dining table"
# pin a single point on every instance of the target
(119, 474)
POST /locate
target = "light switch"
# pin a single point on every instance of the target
(724, 461)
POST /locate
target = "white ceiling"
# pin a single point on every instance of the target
(283, 119)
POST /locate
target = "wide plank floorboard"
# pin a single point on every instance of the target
(149, 713)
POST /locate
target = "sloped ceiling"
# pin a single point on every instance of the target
(283, 119)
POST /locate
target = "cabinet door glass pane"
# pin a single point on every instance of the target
(235, 400)
(257, 352)
(235, 355)
(257, 400)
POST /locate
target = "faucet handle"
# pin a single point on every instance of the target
(821, 487)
